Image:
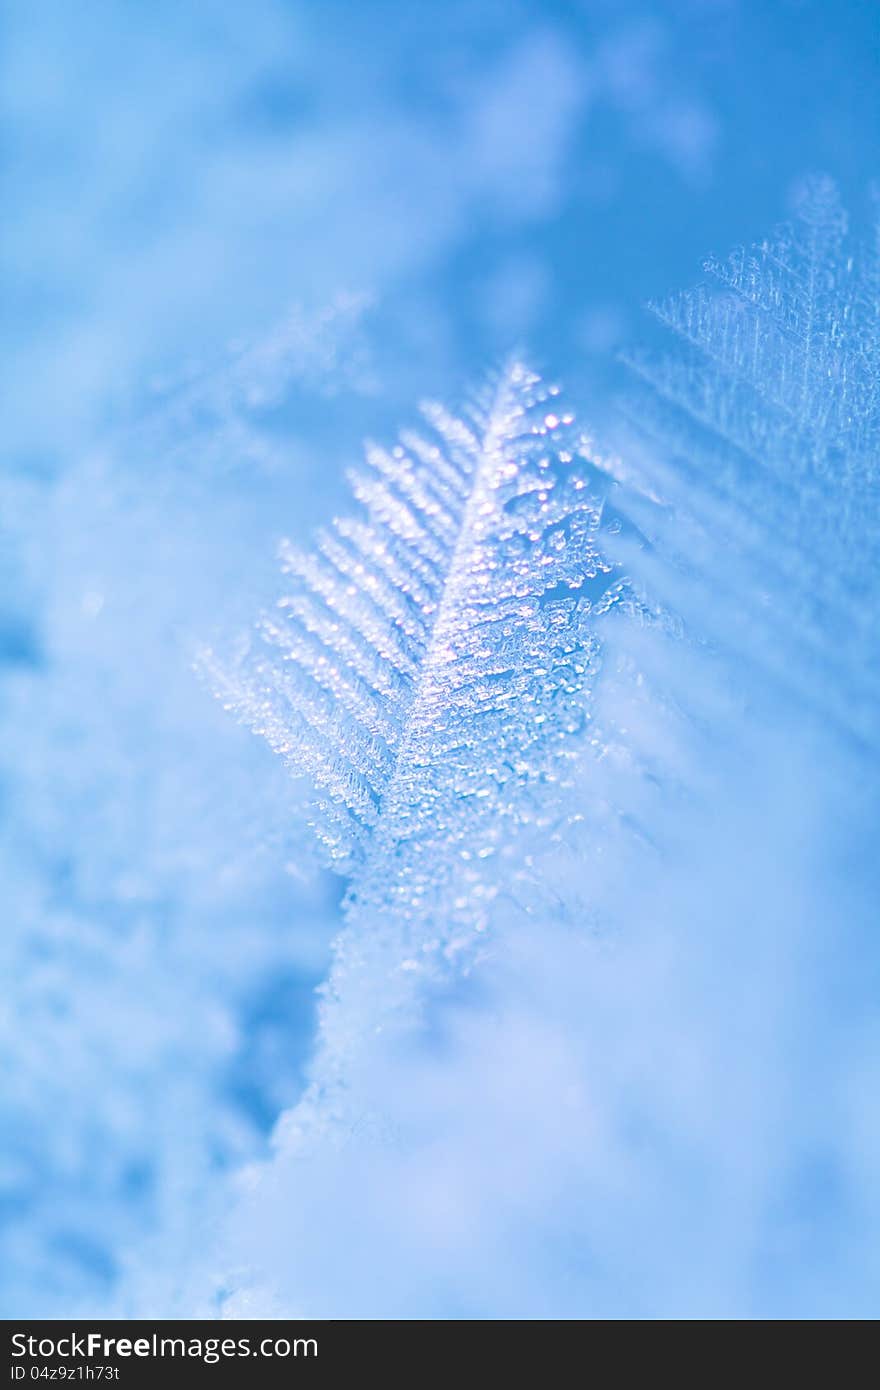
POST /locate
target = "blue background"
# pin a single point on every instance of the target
(237, 238)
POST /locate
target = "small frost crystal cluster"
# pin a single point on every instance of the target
(427, 669)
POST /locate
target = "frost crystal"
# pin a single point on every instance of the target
(770, 419)
(427, 668)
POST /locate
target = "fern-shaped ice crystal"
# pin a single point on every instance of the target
(427, 668)
(771, 414)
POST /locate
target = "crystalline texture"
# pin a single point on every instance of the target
(770, 420)
(426, 672)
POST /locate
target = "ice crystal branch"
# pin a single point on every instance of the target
(427, 669)
(770, 418)
(428, 645)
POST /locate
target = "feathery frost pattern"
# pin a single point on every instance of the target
(428, 646)
(771, 415)
(427, 669)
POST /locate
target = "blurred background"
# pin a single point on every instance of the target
(236, 240)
